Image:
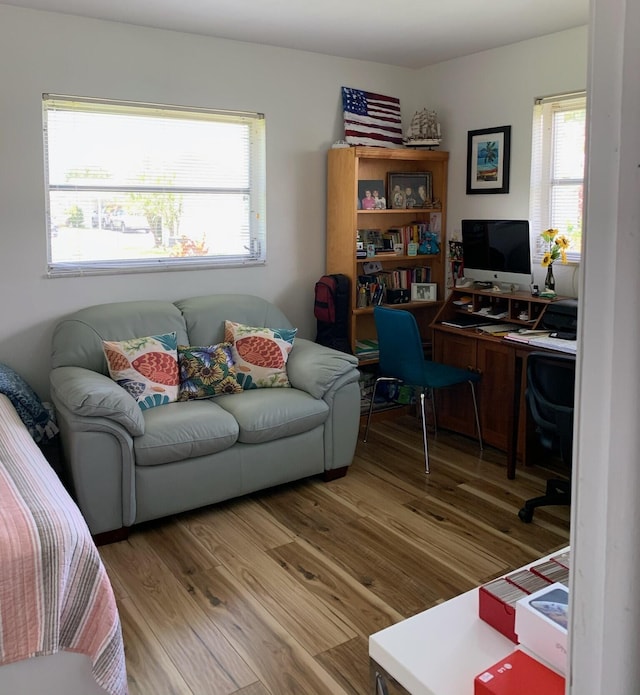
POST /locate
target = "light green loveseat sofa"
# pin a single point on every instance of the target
(127, 465)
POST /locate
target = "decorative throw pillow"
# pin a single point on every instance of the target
(260, 354)
(145, 367)
(206, 371)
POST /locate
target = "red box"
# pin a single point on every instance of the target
(497, 612)
(518, 674)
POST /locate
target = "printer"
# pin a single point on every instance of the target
(562, 317)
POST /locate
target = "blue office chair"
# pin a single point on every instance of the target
(550, 395)
(402, 360)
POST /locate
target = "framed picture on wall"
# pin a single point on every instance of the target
(488, 153)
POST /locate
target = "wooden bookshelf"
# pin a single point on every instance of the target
(348, 166)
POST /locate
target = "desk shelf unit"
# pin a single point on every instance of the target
(490, 355)
(346, 167)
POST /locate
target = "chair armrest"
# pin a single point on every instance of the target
(316, 369)
(90, 394)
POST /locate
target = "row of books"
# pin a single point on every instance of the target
(372, 289)
(398, 278)
(367, 349)
(419, 233)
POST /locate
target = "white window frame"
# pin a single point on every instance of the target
(256, 190)
(541, 214)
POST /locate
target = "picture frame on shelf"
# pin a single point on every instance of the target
(371, 237)
(410, 190)
(371, 194)
(488, 155)
(424, 292)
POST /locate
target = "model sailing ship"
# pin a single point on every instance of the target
(424, 130)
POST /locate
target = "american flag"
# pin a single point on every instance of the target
(371, 119)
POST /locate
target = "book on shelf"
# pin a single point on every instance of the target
(367, 346)
(373, 284)
(425, 236)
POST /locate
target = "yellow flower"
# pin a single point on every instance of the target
(558, 246)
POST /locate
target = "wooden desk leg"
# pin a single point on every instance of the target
(512, 446)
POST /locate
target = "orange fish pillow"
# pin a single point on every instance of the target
(260, 354)
(145, 367)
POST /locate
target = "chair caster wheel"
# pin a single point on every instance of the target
(526, 515)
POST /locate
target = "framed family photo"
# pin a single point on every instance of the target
(488, 153)
(424, 292)
(371, 195)
(410, 190)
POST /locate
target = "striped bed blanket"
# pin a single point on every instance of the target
(54, 591)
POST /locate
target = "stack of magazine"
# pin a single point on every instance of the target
(367, 349)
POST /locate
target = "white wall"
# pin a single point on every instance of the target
(300, 94)
(605, 514)
(497, 88)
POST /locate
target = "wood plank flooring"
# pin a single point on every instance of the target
(277, 593)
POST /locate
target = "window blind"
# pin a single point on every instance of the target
(191, 181)
(557, 169)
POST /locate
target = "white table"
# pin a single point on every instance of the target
(441, 650)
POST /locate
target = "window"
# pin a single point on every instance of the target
(134, 187)
(557, 169)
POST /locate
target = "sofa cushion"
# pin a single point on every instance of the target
(206, 371)
(264, 415)
(186, 430)
(204, 317)
(147, 368)
(260, 354)
(77, 339)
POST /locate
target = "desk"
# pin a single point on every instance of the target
(498, 360)
(439, 651)
(500, 392)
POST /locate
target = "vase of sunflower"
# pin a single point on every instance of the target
(556, 248)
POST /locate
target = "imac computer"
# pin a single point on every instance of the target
(497, 251)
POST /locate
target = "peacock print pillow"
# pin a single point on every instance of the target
(260, 354)
(145, 367)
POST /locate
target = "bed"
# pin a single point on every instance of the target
(59, 625)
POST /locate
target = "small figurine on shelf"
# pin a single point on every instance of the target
(429, 243)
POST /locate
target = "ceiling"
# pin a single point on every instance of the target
(411, 33)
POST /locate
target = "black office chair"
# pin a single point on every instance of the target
(402, 360)
(549, 396)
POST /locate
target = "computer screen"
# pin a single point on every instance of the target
(497, 250)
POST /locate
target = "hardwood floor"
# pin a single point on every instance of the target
(277, 592)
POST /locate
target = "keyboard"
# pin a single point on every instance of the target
(558, 344)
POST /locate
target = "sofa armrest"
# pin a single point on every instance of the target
(316, 369)
(90, 394)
